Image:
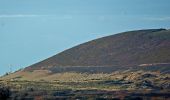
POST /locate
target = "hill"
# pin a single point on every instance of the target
(131, 60)
(127, 49)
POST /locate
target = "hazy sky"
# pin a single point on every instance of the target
(32, 30)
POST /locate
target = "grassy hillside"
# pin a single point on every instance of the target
(124, 49)
(132, 65)
(42, 85)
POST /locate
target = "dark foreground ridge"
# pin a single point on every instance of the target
(125, 49)
(89, 95)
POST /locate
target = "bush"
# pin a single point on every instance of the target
(4, 93)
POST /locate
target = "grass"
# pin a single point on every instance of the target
(90, 86)
(102, 81)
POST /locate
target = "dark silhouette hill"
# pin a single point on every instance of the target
(132, 48)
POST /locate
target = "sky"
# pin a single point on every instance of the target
(33, 30)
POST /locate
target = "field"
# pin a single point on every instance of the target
(87, 86)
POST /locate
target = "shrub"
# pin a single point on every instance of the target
(4, 93)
